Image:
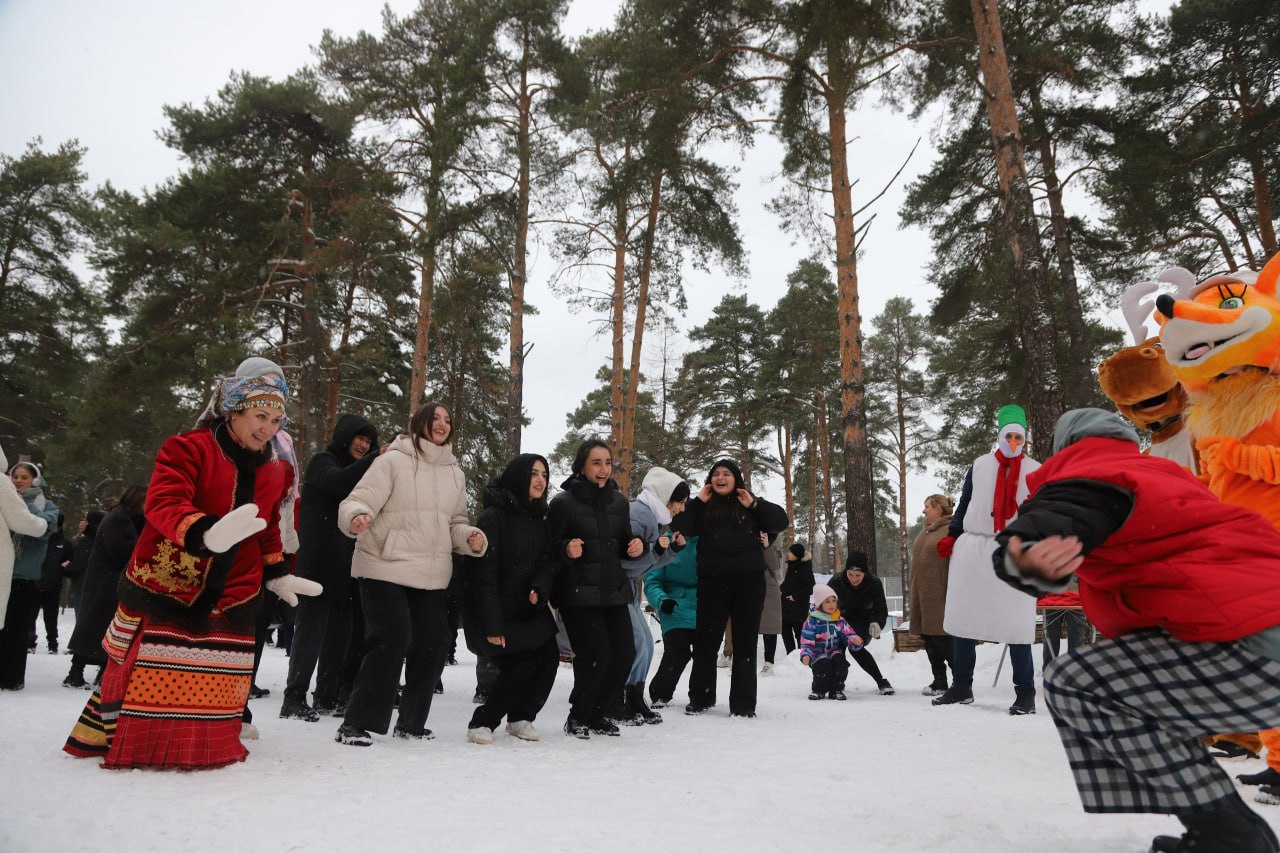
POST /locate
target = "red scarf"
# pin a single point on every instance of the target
(1006, 504)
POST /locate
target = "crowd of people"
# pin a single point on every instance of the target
(175, 585)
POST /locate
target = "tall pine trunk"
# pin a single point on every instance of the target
(1035, 324)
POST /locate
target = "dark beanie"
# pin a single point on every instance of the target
(738, 482)
(856, 560)
(798, 550)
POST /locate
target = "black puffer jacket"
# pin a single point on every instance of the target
(797, 583)
(863, 604)
(501, 580)
(51, 571)
(324, 553)
(601, 518)
(729, 548)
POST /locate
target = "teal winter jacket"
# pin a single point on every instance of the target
(676, 581)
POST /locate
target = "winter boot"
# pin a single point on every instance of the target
(934, 689)
(294, 708)
(353, 735)
(838, 695)
(482, 735)
(604, 726)
(256, 692)
(1232, 827)
(693, 709)
(1268, 795)
(326, 706)
(885, 688)
(621, 712)
(75, 678)
(815, 695)
(1266, 777)
(767, 669)
(413, 734)
(53, 647)
(636, 704)
(523, 729)
(1024, 704)
(955, 695)
(577, 728)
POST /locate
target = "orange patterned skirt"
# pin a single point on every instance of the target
(170, 697)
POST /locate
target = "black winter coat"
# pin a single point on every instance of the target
(51, 573)
(324, 553)
(501, 580)
(730, 548)
(862, 605)
(81, 548)
(798, 583)
(601, 518)
(112, 548)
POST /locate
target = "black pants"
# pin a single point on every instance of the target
(354, 654)
(864, 659)
(49, 601)
(770, 646)
(939, 649)
(402, 626)
(1054, 620)
(321, 634)
(739, 597)
(829, 674)
(603, 651)
(677, 651)
(523, 685)
(24, 604)
(791, 635)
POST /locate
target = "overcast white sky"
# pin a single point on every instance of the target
(101, 72)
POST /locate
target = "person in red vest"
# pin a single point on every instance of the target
(1186, 591)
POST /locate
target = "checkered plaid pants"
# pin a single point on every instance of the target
(1130, 712)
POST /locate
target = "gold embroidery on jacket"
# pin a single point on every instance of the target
(166, 572)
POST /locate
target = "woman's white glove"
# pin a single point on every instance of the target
(237, 525)
(288, 587)
(875, 630)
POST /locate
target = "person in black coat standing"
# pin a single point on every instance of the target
(322, 624)
(51, 573)
(111, 547)
(863, 606)
(509, 588)
(81, 547)
(728, 521)
(589, 531)
(797, 587)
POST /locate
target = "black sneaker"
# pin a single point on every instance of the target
(297, 709)
(1268, 795)
(1227, 749)
(353, 735)
(256, 692)
(815, 696)
(659, 703)
(955, 696)
(746, 715)
(327, 707)
(577, 729)
(1266, 777)
(838, 695)
(693, 709)
(75, 679)
(413, 734)
(604, 726)
(1231, 826)
(885, 688)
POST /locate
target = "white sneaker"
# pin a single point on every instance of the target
(248, 731)
(480, 735)
(767, 669)
(524, 730)
(724, 661)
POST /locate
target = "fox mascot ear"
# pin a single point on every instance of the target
(1269, 277)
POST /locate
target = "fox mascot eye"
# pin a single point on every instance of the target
(1232, 302)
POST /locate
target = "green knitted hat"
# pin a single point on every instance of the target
(1011, 415)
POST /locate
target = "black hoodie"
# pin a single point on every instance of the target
(324, 553)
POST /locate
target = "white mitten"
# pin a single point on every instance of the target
(288, 538)
(289, 587)
(237, 525)
(875, 630)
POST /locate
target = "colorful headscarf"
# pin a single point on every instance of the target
(236, 394)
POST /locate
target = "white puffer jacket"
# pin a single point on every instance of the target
(16, 518)
(418, 503)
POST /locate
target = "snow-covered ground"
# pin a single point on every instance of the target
(884, 773)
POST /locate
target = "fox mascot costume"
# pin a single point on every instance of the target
(1222, 340)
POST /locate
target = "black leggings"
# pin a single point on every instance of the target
(770, 646)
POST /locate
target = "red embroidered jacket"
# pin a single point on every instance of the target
(199, 477)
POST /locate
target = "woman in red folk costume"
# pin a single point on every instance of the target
(180, 648)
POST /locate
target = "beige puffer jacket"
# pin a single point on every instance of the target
(418, 503)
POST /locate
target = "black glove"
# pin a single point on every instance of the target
(667, 605)
(676, 545)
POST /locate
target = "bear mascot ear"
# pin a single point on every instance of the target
(1138, 379)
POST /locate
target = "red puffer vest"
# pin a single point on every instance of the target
(1184, 561)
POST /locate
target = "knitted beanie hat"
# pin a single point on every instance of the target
(821, 592)
(798, 550)
(856, 560)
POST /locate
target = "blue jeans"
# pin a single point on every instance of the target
(966, 657)
(644, 645)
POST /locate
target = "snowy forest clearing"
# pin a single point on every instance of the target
(889, 773)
